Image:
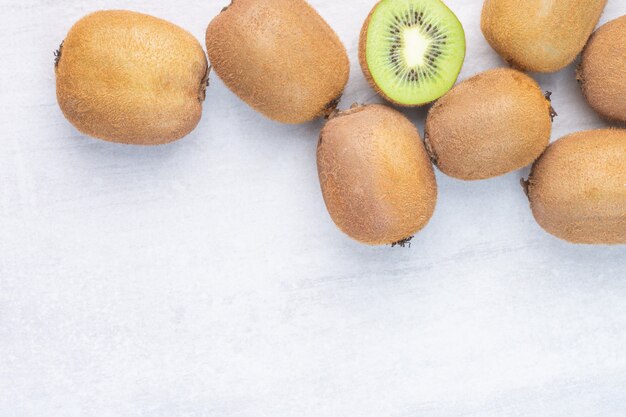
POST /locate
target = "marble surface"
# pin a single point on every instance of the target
(205, 278)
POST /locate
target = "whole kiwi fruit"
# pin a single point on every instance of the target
(280, 57)
(378, 184)
(577, 189)
(411, 51)
(540, 35)
(602, 71)
(493, 123)
(131, 78)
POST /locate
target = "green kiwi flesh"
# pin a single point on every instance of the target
(412, 51)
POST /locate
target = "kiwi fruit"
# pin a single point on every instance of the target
(493, 123)
(280, 57)
(376, 179)
(539, 35)
(577, 189)
(411, 51)
(131, 78)
(602, 69)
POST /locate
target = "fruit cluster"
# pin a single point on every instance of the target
(131, 78)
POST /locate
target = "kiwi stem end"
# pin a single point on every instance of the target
(226, 7)
(429, 149)
(553, 112)
(579, 74)
(353, 109)
(57, 55)
(525, 183)
(330, 110)
(403, 243)
(203, 85)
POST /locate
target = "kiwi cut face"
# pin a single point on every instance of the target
(412, 50)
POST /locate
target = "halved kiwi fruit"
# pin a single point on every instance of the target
(412, 51)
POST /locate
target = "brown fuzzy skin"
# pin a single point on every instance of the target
(602, 71)
(363, 61)
(539, 35)
(280, 57)
(131, 78)
(491, 124)
(577, 189)
(378, 184)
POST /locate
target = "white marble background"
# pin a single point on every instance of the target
(205, 278)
